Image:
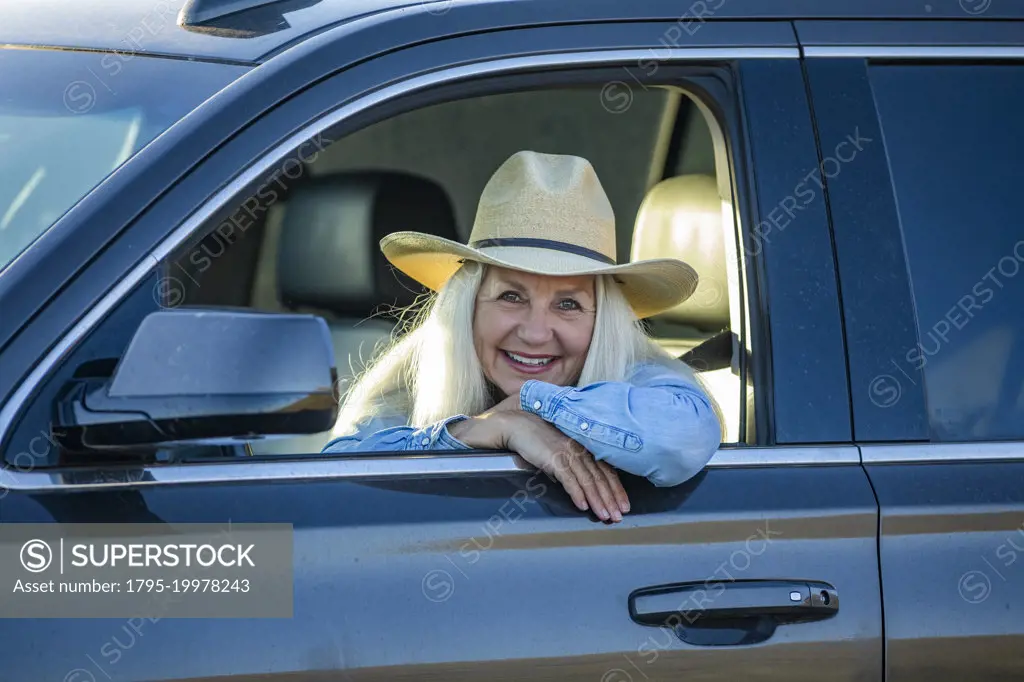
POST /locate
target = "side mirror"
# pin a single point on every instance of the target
(193, 375)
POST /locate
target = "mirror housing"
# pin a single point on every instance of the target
(205, 375)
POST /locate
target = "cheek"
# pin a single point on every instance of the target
(479, 333)
(490, 327)
(577, 339)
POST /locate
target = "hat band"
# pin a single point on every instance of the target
(543, 244)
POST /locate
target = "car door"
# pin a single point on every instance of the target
(932, 294)
(475, 566)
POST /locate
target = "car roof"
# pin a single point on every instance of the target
(146, 27)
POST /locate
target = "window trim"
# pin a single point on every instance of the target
(389, 465)
(926, 38)
(914, 52)
(19, 399)
(932, 453)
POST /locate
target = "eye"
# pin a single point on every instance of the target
(569, 304)
(511, 297)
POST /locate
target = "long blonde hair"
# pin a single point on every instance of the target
(429, 370)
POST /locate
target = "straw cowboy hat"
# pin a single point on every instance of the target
(546, 214)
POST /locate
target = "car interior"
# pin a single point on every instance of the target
(315, 249)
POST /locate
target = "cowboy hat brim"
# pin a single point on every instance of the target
(651, 286)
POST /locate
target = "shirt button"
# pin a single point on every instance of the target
(536, 405)
(425, 442)
(584, 426)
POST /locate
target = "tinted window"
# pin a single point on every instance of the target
(68, 119)
(955, 141)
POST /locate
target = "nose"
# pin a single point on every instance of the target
(535, 329)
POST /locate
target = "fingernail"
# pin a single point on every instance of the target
(624, 507)
(617, 516)
(584, 507)
(604, 514)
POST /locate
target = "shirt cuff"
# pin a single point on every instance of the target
(446, 440)
(541, 398)
(436, 436)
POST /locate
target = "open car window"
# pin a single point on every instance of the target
(308, 240)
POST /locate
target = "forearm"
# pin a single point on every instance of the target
(436, 436)
(666, 434)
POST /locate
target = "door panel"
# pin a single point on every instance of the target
(494, 577)
(952, 561)
(910, 252)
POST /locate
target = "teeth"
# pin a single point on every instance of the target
(536, 362)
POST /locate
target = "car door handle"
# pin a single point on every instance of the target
(733, 612)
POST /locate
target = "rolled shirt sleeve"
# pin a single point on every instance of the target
(389, 434)
(659, 424)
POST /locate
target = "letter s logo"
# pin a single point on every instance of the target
(36, 556)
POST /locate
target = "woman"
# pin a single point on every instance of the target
(533, 344)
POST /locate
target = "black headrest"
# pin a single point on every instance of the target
(712, 353)
(329, 255)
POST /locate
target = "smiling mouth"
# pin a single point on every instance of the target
(527, 362)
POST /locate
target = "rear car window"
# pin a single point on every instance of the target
(953, 137)
(68, 119)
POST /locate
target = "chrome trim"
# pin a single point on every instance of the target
(13, 406)
(245, 470)
(785, 455)
(916, 52)
(320, 468)
(909, 453)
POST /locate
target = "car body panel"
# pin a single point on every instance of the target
(951, 551)
(492, 577)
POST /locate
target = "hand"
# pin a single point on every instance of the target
(486, 431)
(551, 451)
(564, 459)
(509, 404)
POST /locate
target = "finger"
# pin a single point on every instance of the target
(603, 489)
(568, 480)
(592, 481)
(562, 469)
(588, 481)
(618, 491)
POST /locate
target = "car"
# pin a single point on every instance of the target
(191, 200)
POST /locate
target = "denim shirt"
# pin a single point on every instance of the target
(659, 424)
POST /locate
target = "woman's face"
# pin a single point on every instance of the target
(529, 326)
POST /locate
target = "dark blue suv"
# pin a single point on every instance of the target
(191, 199)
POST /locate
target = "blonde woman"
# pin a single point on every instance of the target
(532, 343)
